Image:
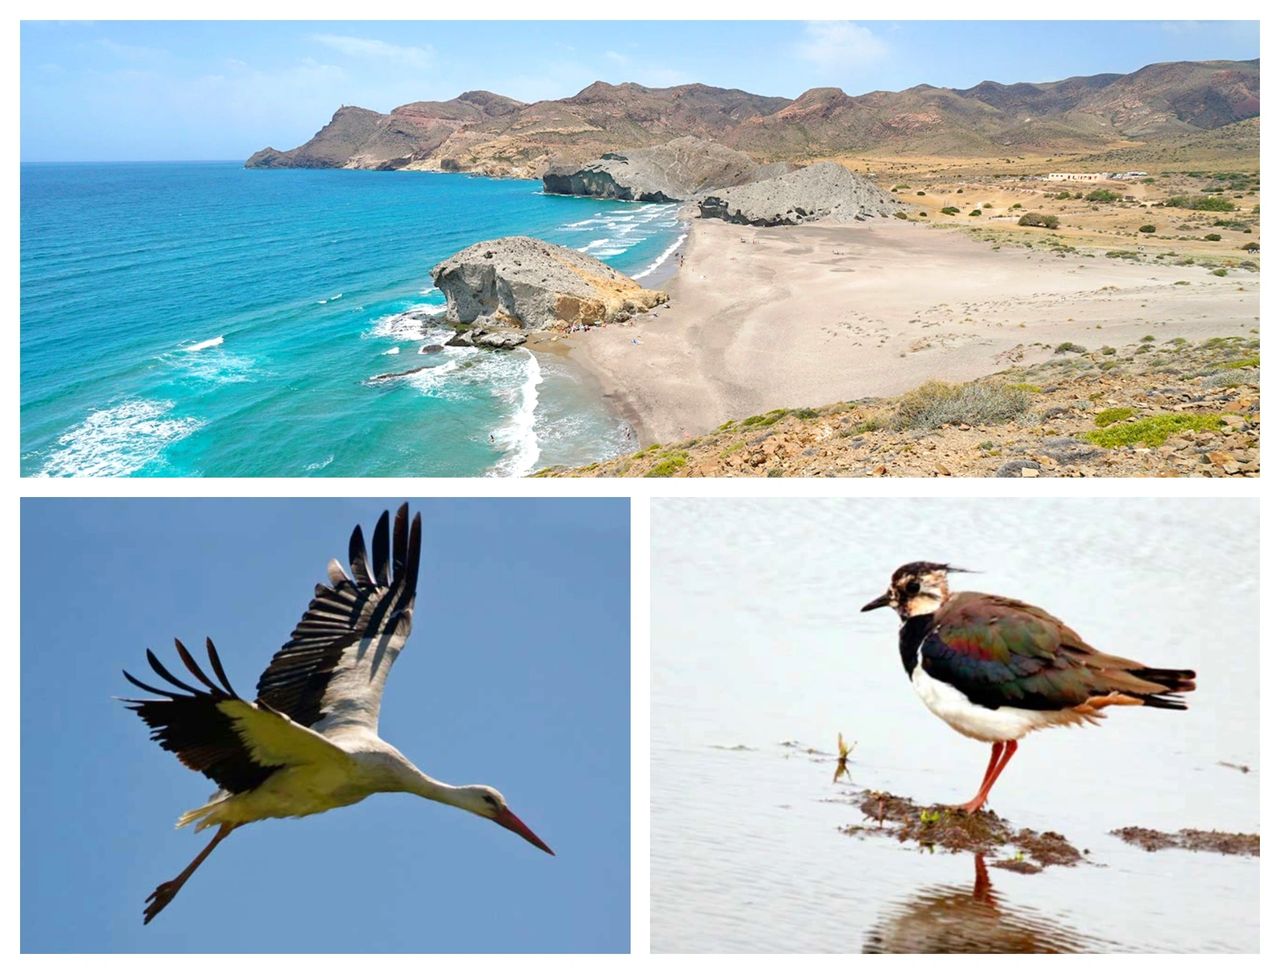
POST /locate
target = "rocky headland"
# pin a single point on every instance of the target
(528, 284)
(823, 191)
(679, 170)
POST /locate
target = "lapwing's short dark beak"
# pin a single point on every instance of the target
(879, 603)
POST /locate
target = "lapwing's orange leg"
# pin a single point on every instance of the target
(1010, 748)
(997, 749)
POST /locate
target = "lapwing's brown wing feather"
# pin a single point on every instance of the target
(1002, 652)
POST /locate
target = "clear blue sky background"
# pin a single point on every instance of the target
(191, 90)
(516, 675)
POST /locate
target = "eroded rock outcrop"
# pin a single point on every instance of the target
(825, 190)
(521, 282)
(678, 170)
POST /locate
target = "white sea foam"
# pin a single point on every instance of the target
(198, 346)
(665, 256)
(392, 351)
(518, 437)
(214, 365)
(118, 440)
(319, 464)
(403, 325)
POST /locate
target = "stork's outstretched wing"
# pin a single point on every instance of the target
(331, 672)
(236, 743)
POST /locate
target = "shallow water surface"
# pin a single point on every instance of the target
(757, 640)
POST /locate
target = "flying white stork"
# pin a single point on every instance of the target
(309, 742)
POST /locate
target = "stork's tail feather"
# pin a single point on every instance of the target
(1173, 681)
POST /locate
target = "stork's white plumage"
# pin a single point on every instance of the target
(309, 742)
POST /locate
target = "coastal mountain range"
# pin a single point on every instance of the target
(486, 133)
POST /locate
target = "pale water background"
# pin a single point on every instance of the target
(757, 639)
(183, 319)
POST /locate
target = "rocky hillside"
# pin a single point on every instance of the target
(681, 169)
(483, 132)
(1170, 410)
(825, 190)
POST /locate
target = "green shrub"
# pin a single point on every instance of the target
(1109, 417)
(765, 419)
(1147, 228)
(668, 464)
(1252, 246)
(975, 213)
(1219, 272)
(1241, 363)
(919, 192)
(1046, 220)
(1102, 196)
(950, 210)
(1069, 347)
(1215, 237)
(1016, 206)
(1215, 204)
(936, 404)
(1153, 430)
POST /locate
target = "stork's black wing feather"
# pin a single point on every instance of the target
(189, 723)
(335, 664)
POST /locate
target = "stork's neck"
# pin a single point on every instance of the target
(425, 786)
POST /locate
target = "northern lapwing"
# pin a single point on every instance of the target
(996, 669)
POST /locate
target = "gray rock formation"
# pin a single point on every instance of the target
(520, 282)
(482, 338)
(681, 169)
(825, 190)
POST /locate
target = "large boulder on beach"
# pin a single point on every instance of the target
(825, 190)
(521, 282)
(681, 169)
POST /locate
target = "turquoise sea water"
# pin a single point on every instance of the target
(201, 319)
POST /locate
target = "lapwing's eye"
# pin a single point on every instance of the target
(913, 587)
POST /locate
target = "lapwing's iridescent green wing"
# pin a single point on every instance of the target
(1001, 652)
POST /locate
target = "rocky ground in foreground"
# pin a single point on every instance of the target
(1173, 409)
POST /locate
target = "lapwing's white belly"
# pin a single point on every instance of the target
(971, 720)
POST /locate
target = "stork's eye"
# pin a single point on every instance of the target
(913, 587)
(491, 800)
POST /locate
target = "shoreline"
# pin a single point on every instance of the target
(803, 316)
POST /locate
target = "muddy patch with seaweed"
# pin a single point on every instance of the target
(1194, 840)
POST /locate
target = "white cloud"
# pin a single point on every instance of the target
(840, 45)
(419, 58)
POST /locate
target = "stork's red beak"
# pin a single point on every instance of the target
(508, 820)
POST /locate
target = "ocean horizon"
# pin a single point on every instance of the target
(203, 319)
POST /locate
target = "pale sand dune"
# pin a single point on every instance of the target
(762, 318)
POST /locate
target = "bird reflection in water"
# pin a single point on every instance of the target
(959, 920)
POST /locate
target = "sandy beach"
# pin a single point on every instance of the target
(763, 318)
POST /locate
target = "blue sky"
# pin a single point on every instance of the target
(222, 90)
(516, 675)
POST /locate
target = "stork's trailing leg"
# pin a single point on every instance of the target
(165, 892)
(1001, 754)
